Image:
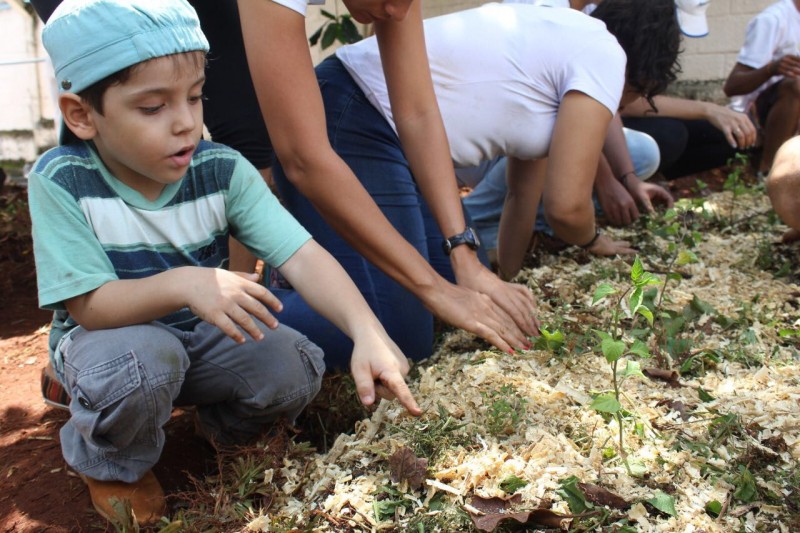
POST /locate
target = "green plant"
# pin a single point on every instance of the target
(614, 344)
(338, 27)
(506, 409)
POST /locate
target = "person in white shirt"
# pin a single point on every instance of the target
(538, 85)
(765, 77)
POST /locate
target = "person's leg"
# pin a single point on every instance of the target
(670, 134)
(780, 106)
(122, 383)
(242, 389)
(485, 203)
(644, 152)
(366, 142)
(706, 148)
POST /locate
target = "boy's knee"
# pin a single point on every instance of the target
(783, 183)
(790, 89)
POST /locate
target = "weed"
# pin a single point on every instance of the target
(506, 409)
(431, 436)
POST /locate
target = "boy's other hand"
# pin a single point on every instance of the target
(230, 300)
(379, 368)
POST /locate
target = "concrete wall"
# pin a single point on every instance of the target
(26, 107)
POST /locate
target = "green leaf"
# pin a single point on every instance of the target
(329, 36)
(637, 468)
(639, 348)
(349, 33)
(714, 508)
(612, 349)
(315, 37)
(328, 14)
(512, 484)
(664, 503)
(646, 313)
(632, 368)
(702, 307)
(635, 300)
(606, 403)
(602, 290)
(636, 270)
(686, 257)
(573, 495)
(746, 490)
(704, 395)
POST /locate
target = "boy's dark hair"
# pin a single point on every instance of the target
(93, 95)
(648, 31)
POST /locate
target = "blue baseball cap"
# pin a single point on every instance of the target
(89, 40)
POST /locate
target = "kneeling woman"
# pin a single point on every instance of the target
(533, 83)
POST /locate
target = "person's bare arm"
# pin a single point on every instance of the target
(422, 134)
(287, 90)
(525, 181)
(222, 298)
(567, 196)
(737, 127)
(377, 364)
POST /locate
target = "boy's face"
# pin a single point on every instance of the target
(151, 123)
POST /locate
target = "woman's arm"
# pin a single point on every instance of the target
(578, 138)
(287, 90)
(424, 140)
(737, 127)
(525, 181)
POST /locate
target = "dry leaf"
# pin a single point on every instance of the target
(405, 466)
(601, 496)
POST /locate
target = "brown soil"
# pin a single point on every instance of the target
(40, 493)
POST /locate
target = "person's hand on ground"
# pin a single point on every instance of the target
(379, 369)
(477, 313)
(737, 127)
(606, 246)
(515, 299)
(617, 203)
(647, 193)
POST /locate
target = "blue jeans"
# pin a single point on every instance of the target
(366, 142)
(124, 383)
(485, 203)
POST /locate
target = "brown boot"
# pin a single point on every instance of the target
(145, 496)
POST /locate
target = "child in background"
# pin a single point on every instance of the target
(131, 218)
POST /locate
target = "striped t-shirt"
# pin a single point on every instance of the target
(89, 228)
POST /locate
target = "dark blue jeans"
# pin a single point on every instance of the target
(366, 142)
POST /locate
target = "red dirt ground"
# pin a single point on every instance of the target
(39, 492)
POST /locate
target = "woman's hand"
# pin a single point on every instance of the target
(606, 246)
(477, 313)
(515, 300)
(645, 193)
(737, 127)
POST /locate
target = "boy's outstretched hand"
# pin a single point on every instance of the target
(379, 369)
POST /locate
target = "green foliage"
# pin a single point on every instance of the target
(505, 410)
(431, 436)
(337, 28)
(512, 484)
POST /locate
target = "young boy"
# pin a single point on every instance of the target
(131, 219)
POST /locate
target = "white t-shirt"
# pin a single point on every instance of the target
(299, 5)
(770, 35)
(500, 72)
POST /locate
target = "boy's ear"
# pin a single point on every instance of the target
(77, 116)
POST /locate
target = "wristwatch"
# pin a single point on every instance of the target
(468, 237)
